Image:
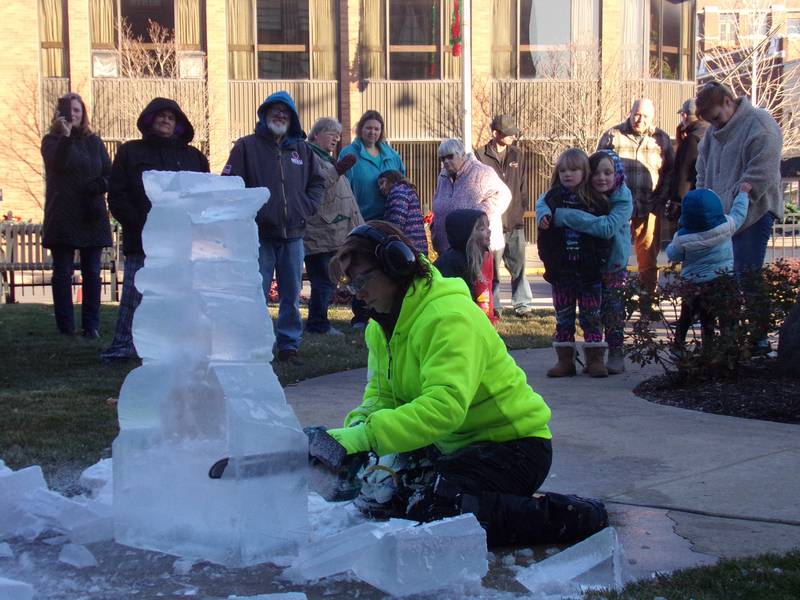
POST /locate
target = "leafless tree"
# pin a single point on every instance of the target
(570, 103)
(752, 63)
(19, 146)
(148, 68)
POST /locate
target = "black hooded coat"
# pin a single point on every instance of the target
(126, 197)
(453, 262)
(77, 169)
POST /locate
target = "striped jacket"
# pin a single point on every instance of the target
(402, 209)
(648, 160)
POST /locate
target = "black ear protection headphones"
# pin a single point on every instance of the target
(397, 259)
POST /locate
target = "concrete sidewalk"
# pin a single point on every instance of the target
(684, 488)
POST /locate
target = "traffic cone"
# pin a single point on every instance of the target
(78, 280)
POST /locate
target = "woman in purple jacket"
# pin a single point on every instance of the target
(402, 207)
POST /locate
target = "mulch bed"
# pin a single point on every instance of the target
(758, 392)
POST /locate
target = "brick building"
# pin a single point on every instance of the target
(336, 57)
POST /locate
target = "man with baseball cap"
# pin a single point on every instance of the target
(684, 176)
(509, 163)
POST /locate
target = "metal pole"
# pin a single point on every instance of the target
(466, 72)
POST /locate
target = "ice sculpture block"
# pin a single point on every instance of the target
(206, 389)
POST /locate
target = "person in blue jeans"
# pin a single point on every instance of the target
(327, 230)
(77, 170)
(743, 144)
(277, 157)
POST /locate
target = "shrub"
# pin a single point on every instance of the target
(748, 308)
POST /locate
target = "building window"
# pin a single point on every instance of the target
(52, 36)
(139, 13)
(181, 20)
(672, 39)
(540, 38)
(793, 26)
(727, 29)
(282, 39)
(418, 47)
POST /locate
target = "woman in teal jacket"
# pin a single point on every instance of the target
(443, 383)
(374, 157)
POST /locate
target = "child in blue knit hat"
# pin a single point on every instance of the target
(703, 247)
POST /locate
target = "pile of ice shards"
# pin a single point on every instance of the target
(29, 509)
(401, 557)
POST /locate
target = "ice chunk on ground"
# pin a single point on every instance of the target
(98, 478)
(182, 566)
(283, 596)
(78, 556)
(83, 521)
(591, 564)
(341, 551)
(401, 557)
(432, 556)
(15, 487)
(15, 590)
(6, 551)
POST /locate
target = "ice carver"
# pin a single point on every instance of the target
(447, 409)
(277, 157)
(166, 133)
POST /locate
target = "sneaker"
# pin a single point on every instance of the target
(332, 332)
(525, 313)
(91, 334)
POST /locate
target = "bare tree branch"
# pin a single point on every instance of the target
(19, 148)
(754, 65)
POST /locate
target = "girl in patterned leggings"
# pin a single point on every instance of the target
(574, 263)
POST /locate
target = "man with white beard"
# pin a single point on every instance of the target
(276, 156)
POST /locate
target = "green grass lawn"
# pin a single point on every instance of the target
(765, 577)
(54, 390)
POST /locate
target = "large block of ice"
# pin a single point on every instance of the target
(594, 563)
(341, 551)
(83, 521)
(206, 390)
(432, 556)
(401, 557)
(11, 589)
(15, 487)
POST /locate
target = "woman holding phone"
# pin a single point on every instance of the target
(77, 170)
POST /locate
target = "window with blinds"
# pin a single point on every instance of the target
(540, 38)
(52, 36)
(408, 40)
(282, 39)
(182, 22)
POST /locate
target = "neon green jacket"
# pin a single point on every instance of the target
(445, 378)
